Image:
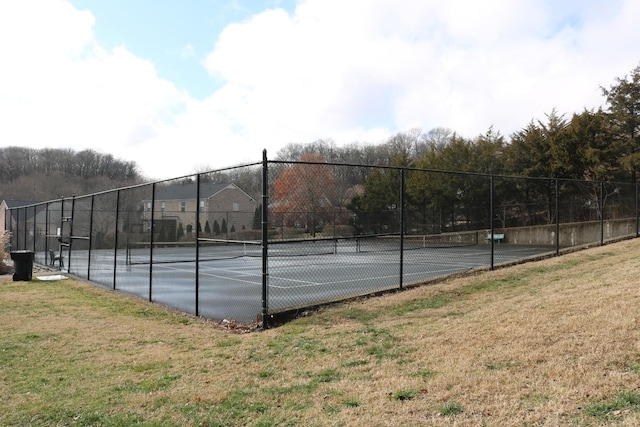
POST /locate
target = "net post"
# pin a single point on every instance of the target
(265, 241)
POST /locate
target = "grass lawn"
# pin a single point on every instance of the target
(555, 342)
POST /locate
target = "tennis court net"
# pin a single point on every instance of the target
(218, 249)
(181, 252)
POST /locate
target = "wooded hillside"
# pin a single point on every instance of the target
(31, 174)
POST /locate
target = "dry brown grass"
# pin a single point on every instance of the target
(548, 343)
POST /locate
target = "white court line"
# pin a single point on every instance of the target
(213, 275)
(309, 284)
(232, 278)
(454, 266)
(257, 270)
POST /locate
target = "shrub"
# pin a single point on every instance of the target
(5, 265)
(451, 408)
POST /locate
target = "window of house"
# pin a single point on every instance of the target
(148, 206)
(162, 207)
(183, 207)
(202, 203)
(236, 207)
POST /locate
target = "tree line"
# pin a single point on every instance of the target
(45, 174)
(593, 145)
(602, 144)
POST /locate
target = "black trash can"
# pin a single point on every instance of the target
(22, 265)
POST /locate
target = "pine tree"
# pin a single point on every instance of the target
(257, 218)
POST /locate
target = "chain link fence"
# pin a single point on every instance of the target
(250, 242)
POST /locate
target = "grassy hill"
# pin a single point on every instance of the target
(555, 342)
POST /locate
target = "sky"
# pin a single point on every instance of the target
(194, 85)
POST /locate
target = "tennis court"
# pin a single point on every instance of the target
(229, 284)
(359, 230)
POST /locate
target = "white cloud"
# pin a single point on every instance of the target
(352, 71)
(61, 89)
(334, 67)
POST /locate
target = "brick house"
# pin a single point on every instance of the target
(5, 205)
(224, 208)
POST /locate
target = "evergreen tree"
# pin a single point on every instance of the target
(624, 113)
(257, 218)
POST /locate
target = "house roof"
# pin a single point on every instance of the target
(188, 190)
(18, 203)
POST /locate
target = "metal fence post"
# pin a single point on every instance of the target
(35, 227)
(17, 230)
(93, 197)
(601, 213)
(153, 208)
(637, 217)
(115, 240)
(46, 232)
(491, 226)
(401, 227)
(557, 217)
(14, 232)
(73, 205)
(265, 241)
(197, 302)
(60, 234)
(26, 228)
